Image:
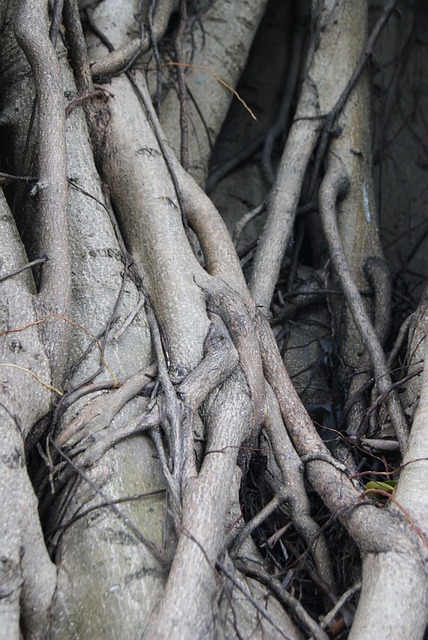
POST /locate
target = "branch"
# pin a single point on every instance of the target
(32, 33)
(300, 144)
(334, 186)
(291, 603)
(293, 482)
(410, 491)
(282, 209)
(221, 299)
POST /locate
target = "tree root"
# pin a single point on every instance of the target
(335, 186)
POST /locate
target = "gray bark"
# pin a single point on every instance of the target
(140, 379)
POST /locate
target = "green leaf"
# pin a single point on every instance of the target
(384, 485)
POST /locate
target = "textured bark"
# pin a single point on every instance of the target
(161, 476)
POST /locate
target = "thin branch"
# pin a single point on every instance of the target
(58, 316)
(217, 77)
(77, 47)
(172, 409)
(30, 265)
(402, 334)
(6, 178)
(182, 91)
(246, 219)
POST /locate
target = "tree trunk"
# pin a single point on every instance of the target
(209, 433)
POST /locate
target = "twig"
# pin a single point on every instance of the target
(127, 259)
(80, 99)
(217, 77)
(77, 50)
(378, 444)
(88, 435)
(67, 321)
(5, 178)
(100, 411)
(282, 208)
(119, 60)
(325, 457)
(128, 321)
(368, 51)
(30, 265)
(75, 394)
(219, 361)
(173, 411)
(377, 274)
